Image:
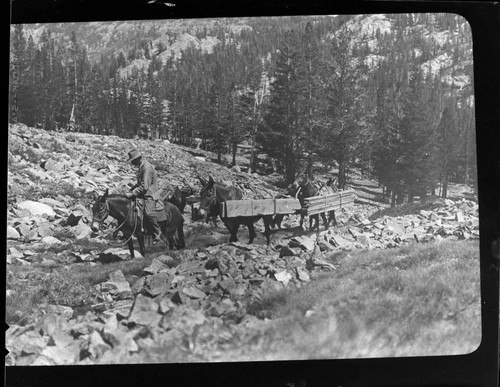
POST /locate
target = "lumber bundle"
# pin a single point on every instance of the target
(250, 207)
(333, 201)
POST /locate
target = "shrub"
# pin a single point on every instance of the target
(71, 137)
(63, 188)
(64, 290)
(31, 155)
(269, 303)
(21, 303)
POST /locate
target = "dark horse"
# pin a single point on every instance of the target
(304, 190)
(213, 194)
(123, 210)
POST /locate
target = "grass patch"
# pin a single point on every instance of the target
(269, 303)
(93, 275)
(419, 300)
(21, 303)
(62, 289)
(31, 288)
(407, 209)
(47, 189)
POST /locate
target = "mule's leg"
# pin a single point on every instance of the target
(276, 222)
(233, 230)
(267, 228)
(325, 221)
(140, 239)
(234, 236)
(332, 217)
(313, 218)
(180, 235)
(177, 244)
(164, 238)
(251, 230)
(170, 239)
(130, 244)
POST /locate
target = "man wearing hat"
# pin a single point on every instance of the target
(146, 189)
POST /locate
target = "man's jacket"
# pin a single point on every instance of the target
(147, 182)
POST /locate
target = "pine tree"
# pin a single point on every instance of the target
(217, 119)
(258, 90)
(281, 135)
(388, 148)
(416, 163)
(312, 94)
(72, 94)
(345, 123)
(446, 146)
(16, 74)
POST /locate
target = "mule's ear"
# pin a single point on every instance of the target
(210, 180)
(202, 181)
(105, 196)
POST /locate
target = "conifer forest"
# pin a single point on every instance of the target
(390, 95)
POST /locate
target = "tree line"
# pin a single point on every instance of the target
(302, 92)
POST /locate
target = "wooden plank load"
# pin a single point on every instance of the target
(333, 201)
(250, 207)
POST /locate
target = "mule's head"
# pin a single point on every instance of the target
(100, 211)
(208, 195)
(306, 189)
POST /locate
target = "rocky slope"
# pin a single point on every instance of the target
(194, 302)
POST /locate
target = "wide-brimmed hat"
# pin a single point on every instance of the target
(133, 154)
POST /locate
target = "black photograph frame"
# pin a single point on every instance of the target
(479, 368)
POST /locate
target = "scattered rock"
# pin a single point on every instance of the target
(286, 251)
(283, 277)
(12, 233)
(178, 298)
(363, 239)
(155, 267)
(193, 292)
(145, 312)
(165, 305)
(304, 242)
(36, 208)
(82, 231)
(116, 254)
(157, 284)
(50, 240)
(302, 275)
(73, 219)
(117, 286)
(52, 203)
(44, 230)
(61, 310)
(96, 345)
(185, 319)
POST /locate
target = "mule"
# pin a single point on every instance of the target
(213, 194)
(124, 211)
(178, 197)
(304, 190)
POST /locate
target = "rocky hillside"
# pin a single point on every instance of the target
(440, 44)
(196, 302)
